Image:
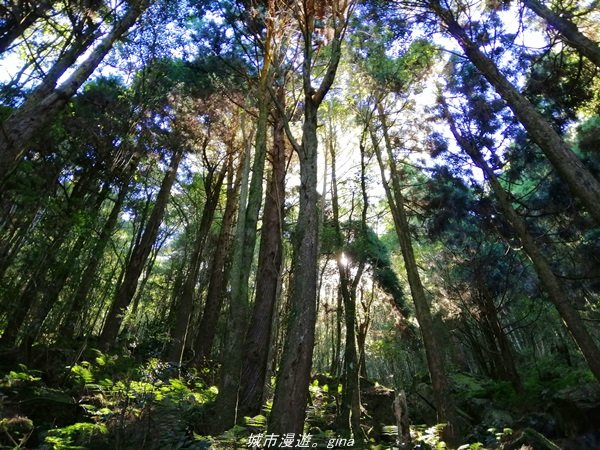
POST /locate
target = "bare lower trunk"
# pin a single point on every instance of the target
(289, 405)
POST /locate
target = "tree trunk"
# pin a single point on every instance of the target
(506, 368)
(291, 393)
(138, 257)
(555, 291)
(38, 112)
(258, 337)
(568, 30)
(55, 283)
(581, 182)
(349, 416)
(243, 254)
(185, 306)
(446, 412)
(46, 260)
(217, 285)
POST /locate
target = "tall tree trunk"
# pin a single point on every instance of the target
(291, 393)
(138, 258)
(445, 408)
(554, 289)
(258, 337)
(40, 110)
(217, 284)
(243, 254)
(568, 30)
(506, 368)
(46, 260)
(349, 417)
(56, 280)
(185, 306)
(581, 182)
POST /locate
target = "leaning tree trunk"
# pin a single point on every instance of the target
(258, 338)
(581, 182)
(217, 284)
(138, 258)
(568, 30)
(55, 282)
(554, 289)
(48, 259)
(446, 412)
(39, 111)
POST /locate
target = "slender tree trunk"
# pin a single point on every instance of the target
(46, 259)
(258, 337)
(581, 182)
(138, 257)
(88, 277)
(349, 417)
(554, 289)
(221, 262)
(35, 284)
(185, 306)
(446, 412)
(506, 368)
(243, 254)
(37, 112)
(568, 30)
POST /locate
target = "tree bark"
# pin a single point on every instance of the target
(270, 257)
(138, 257)
(291, 393)
(568, 30)
(243, 254)
(581, 182)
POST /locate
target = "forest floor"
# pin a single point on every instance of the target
(120, 402)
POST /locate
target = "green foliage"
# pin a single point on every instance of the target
(78, 436)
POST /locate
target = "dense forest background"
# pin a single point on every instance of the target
(299, 223)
